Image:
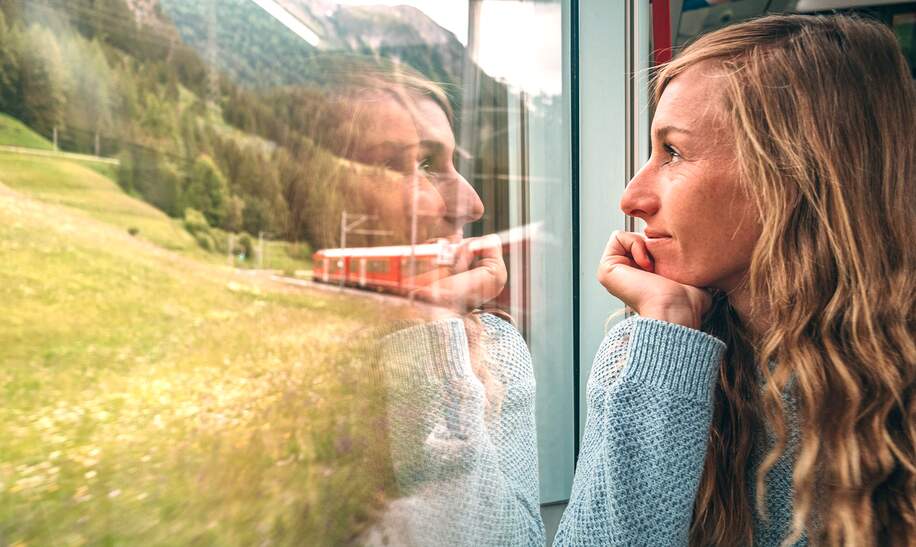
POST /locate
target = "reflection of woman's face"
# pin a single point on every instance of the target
(437, 166)
(415, 146)
(701, 227)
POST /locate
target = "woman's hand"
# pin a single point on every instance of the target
(627, 271)
(477, 276)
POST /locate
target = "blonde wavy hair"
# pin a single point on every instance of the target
(823, 112)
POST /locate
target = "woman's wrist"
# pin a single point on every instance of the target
(677, 314)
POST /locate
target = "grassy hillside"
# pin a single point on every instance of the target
(88, 189)
(150, 398)
(15, 133)
(68, 183)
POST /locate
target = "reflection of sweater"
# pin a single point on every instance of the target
(468, 468)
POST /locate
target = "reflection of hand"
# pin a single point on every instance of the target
(627, 271)
(477, 275)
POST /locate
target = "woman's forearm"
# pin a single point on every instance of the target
(650, 408)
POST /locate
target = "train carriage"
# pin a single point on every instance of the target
(396, 269)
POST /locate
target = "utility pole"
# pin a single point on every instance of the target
(413, 237)
(343, 245)
(212, 56)
(55, 138)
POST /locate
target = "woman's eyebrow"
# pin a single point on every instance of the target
(391, 145)
(432, 145)
(662, 131)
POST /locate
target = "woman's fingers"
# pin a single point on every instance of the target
(464, 256)
(627, 271)
(479, 276)
(623, 249)
(641, 253)
(630, 245)
(622, 277)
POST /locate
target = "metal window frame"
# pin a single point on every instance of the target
(609, 71)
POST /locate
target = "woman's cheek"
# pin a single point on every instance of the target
(680, 265)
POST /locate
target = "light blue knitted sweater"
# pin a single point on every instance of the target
(465, 455)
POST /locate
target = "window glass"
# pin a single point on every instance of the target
(279, 270)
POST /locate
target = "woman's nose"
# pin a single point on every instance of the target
(430, 202)
(462, 203)
(639, 199)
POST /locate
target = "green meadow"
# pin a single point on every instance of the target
(15, 133)
(153, 395)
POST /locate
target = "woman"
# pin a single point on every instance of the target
(764, 394)
(782, 156)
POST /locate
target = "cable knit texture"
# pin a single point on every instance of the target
(467, 467)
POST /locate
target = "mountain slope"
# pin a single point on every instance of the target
(256, 50)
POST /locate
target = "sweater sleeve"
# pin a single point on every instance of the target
(464, 455)
(649, 412)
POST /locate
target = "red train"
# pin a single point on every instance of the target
(401, 269)
(396, 269)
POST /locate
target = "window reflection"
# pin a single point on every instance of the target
(239, 236)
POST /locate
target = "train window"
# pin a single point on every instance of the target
(378, 266)
(173, 348)
(418, 266)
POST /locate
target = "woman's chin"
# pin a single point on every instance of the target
(678, 275)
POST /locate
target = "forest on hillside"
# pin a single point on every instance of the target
(188, 134)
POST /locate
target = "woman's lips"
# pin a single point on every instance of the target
(652, 234)
(656, 238)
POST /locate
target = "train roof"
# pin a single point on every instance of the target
(516, 234)
(426, 249)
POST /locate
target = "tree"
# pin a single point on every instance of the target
(146, 172)
(9, 67)
(235, 214)
(91, 100)
(158, 117)
(43, 81)
(207, 191)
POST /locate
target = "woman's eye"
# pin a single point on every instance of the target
(673, 154)
(425, 165)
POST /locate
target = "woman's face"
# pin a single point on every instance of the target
(437, 168)
(701, 228)
(415, 146)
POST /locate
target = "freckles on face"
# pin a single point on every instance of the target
(701, 226)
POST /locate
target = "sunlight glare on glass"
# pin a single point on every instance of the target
(452, 15)
(521, 44)
(289, 21)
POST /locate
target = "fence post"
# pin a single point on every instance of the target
(230, 246)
